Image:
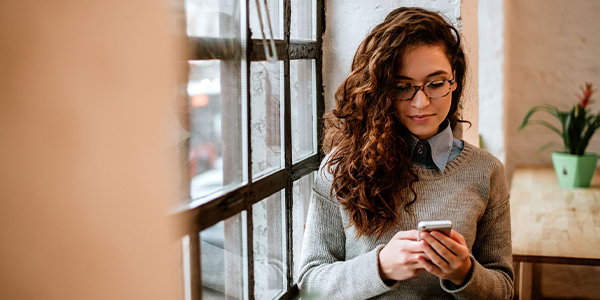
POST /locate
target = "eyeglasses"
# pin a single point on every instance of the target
(433, 89)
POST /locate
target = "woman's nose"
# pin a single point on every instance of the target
(421, 100)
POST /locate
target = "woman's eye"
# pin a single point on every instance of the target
(437, 84)
(403, 88)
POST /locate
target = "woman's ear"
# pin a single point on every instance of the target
(454, 84)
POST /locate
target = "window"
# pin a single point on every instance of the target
(255, 127)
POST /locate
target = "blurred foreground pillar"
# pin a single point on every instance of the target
(85, 174)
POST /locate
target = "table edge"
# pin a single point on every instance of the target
(556, 260)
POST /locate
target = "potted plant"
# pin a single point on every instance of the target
(573, 166)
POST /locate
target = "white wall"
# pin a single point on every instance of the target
(553, 46)
(491, 77)
(348, 22)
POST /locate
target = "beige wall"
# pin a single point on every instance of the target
(470, 36)
(86, 177)
(553, 46)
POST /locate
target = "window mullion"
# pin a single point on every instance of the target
(228, 204)
(247, 42)
(293, 49)
(287, 115)
(249, 254)
(248, 61)
(204, 48)
(195, 265)
(320, 98)
(236, 56)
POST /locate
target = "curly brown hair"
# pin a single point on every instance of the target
(369, 157)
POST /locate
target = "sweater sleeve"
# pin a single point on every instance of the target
(493, 275)
(325, 274)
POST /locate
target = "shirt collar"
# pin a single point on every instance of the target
(440, 143)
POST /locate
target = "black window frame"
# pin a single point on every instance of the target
(201, 214)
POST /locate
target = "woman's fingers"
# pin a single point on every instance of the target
(411, 259)
(458, 237)
(430, 267)
(434, 256)
(449, 256)
(412, 247)
(406, 241)
(455, 243)
(398, 259)
(403, 257)
(406, 235)
(445, 252)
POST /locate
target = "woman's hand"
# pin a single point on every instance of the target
(398, 259)
(448, 257)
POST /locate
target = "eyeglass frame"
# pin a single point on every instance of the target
(422, 87)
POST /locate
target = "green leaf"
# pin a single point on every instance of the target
(589, 132)
(544, 123)
(566, 125)
(548, 145)
(575, 128)
(543, 108)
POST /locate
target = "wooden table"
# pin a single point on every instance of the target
(551, 225)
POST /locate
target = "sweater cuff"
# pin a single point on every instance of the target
(451, 288)
(385, 284)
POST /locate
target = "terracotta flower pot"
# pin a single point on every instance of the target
(574, 171)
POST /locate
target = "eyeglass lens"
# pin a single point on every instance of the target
(434, 89)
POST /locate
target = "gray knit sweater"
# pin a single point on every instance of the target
(472, 193)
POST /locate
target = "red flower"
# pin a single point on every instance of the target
(586, 98)
(578, 124)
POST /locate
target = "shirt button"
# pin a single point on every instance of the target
(420, 150)
(417, 167)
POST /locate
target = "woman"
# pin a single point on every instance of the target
(393, 162)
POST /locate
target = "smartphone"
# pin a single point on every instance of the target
(444, 227)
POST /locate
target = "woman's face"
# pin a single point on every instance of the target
(422, 115)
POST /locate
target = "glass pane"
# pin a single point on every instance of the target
(302, 191)
(222, 263)
(213, 18)
(304, 20)
(275, 12)
(266, 107)
(303, 97)
(269, 246)
(215, 144)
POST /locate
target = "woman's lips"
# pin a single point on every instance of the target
(420, 119)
